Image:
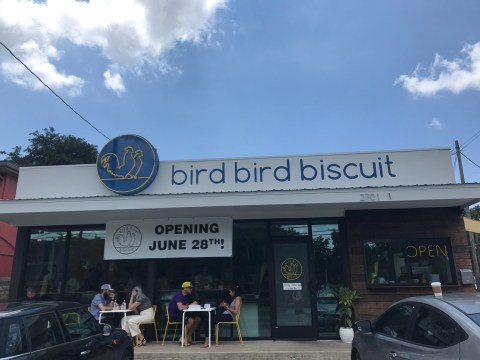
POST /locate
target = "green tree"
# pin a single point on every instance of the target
(475, 212)
(51, 148)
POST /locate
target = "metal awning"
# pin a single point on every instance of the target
(238, 205)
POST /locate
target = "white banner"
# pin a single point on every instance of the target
(168, 238)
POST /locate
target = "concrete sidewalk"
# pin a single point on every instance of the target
(258, 349)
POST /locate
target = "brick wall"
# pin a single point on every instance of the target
(401, 224)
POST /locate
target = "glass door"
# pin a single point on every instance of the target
(293, 289)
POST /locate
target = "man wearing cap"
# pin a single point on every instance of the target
(179, 302)
(103, 301)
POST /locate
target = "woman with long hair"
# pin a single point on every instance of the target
(230, 311)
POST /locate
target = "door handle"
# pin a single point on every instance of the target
(391, 355)
(85, 352)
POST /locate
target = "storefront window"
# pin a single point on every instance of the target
(250, 242)
(409, 262)
(290, 228)
(45, 263)
(123, 275)
(84, 271)
(210, 277)
(328, 272)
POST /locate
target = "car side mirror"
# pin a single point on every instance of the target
(363, 326)
(107, 330)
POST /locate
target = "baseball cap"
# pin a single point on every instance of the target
(106, 287)
(187, 284)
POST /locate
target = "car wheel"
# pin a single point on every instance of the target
(127, 355)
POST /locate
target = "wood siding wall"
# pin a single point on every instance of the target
(402, 224)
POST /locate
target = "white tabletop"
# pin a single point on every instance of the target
(124, 311)
(198, 309)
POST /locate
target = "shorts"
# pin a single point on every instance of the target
(188, 315)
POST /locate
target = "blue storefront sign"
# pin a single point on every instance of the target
(127, 164)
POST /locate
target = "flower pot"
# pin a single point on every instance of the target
(346, 334)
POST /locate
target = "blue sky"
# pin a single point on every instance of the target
(238, 78)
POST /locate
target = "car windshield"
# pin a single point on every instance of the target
(475, 318)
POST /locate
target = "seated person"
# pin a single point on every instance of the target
(104, 300)
(179, 302)
(31, 295)
(230, 311)
(143, 313)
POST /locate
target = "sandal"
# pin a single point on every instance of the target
(139, 342)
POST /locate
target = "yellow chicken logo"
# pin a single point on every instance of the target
(291, 269)
(127, 164)
(128, 168)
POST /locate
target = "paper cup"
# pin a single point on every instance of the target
(207, 306)
(437, 288)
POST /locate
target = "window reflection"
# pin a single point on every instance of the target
(395, 322)
(13, 339)
(250, 244)
(44, 268)
(412, 262)
(434, 329)
(328, 272)
(290, 228)
(123, 275)
(84, 273)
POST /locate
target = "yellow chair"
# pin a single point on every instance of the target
(234, 322)
(154, 323)
(176, 323)
(71, 318)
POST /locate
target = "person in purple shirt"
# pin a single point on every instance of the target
(179, 302)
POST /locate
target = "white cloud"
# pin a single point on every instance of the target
(114, 82)
(456, 76)
(130, 34)
(436, 123)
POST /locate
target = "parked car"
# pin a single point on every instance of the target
(423, 327)
(58, 330)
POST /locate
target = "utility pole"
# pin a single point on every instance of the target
(471, 238)
(459, 159)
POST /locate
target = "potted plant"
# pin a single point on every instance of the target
(345, 297)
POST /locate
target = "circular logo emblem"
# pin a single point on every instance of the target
(291, 269)
(127, 165)
(127, 239)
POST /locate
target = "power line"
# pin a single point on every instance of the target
(466, 157)
(54, 93)
(469, 141)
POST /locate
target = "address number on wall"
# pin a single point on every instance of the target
(369, 197)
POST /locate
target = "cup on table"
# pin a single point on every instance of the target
(206, 306)
(437, 288)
